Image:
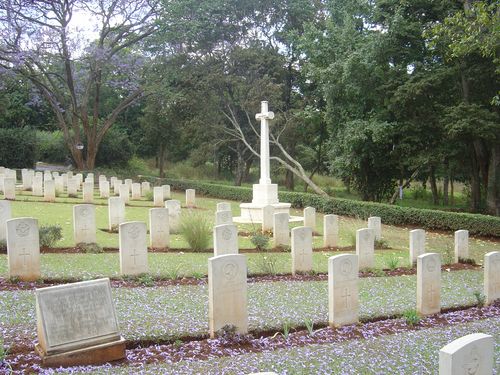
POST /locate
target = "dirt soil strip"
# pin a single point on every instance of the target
(23, 360)
(7, 284)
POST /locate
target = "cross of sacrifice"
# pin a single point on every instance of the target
(263, 116)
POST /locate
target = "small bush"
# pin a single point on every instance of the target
(480, 298)
(51, 147)
(146, 279)
(196, 230)
(381, 243)
(115, 149)
(90, 248)
(267, 264)
(17, 148)
(260, 241)
(392, 262)
(149, 196)
(467, 261)
(49, 235)
(411, 316)
(3, 247)
(448, 255)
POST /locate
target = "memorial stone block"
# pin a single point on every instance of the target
(330, 231)
(145, 188)
(9, 188)
(190, 198)
(104, 189)
(159, 229)
(116, 187)
(225, 239)
(174, 214)
(461, 245)
(102, 178)
(23, 249)
(223, 217)
(281, 229)
(310, 218)
(227, 293)
(375, 223)
(343, 302)
(417, 244)
(5, 214)
(88, 192)
(365, 247)
(158, 199)
(223, 206)
(72, 187)
(133, 248)
(428, 284)
(116, 212)
(84, 228)
(59, 184)
(301, 249)
(492, 276)
(166, 192)
(49, 191)
(37, 189)
(136, 191)
(267, 218)
(124, 193)
(469, 355)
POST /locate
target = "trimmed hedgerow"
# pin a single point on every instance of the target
(394, 215)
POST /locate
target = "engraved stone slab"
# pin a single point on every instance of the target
(104, 189)
(223, 217)
(59, 184)
(343, 302)
(37, 188)
(225, 239)
(128, 182)
(136, 191)
(310, 218)
(102, 178)
(227, 293)
(365, 247)
(116, 212)
(72, 186)
(133, 248)
(330, 231)
(23, 248)
(174, 214)
(166, 192)
(375, 223)
(428, 284)
(79, 179)
(281, 230)
(27, 179)
(90, 178)
(124, 193)
(49, 191)
(417, 244)
(9, 188)
(190, 198)
(461, 245)
(470, 355)
(159, 228)
(112, 181)
(74, 316)
(158, 196)
(47, 176)
(116, 186)
(145, 188)
(223, 206)
(5, 214)
(492, 276)
(267, 218)
(301, 249)
(84, 230)
(88, 192)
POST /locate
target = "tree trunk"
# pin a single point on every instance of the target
(493, 188)
(475, 184)
(161, 160)
(434, 189)
(452, 190)
(289, 180)
(446, 183)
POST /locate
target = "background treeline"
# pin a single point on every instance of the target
(375, 93)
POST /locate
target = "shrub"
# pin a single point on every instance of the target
(17, 148)
(149, 196)
(115, 149)
(381, 243)
(392, 262)
(51, 147)
(393, 215)
(3, 246)
(260, 241)
(480, 298)
(90, 248)
(196, 230)
(267, 264)
(411, 316)
(49, 235)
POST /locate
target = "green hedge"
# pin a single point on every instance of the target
(17, 148)
(393, 215)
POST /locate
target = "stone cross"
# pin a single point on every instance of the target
(264, 116)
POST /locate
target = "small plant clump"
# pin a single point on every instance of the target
(90, 248)
(260, 241)
(480, 298)
(467, 261)
(49, 235)
(392, 262)
(146, 279)
(267, 264)
(3, 246)
(149, 196)
(309, 326)
(227, 335)
(448, 255)
(411, 316)
(381, 243)
(197, 231)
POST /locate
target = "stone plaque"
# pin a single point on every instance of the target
(227, 293)
(492, 276)
(310, 218)
(225, 239)
(5, 214)
(375, 223)
(417, 244)
(75, 316)
(301, 249)
(84, 230)
(281, 230)
(461, 245)
(330, 231)
(174, 213)
(159, 229)
(343, 302)
(468, 355)
(133, 248)
(116, 212)
(365, 247)
(428, 284)
(23, 248)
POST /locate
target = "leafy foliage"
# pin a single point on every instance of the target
(196, 230)
(49, 235)
(17, 148)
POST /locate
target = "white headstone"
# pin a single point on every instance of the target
(47, 175)
(77, 316)
(281, 229)
(492, 276)
(145, 188)
(9, 187)
(79, 179)
(223, 206)
(112, 181)
(417, 244)
(375, 223)
(330, 231)
(301, 249)
(133, 248)
(90, 177)
(223, 217)
(428, 284)
(469, 355)
(72, 187)
(166, 192)
(461, 245)
(116, 187)
(343, 302)
(23, 248)
(59, 184)
(227, 293)
(104, 189)
(365, 247)
(190, 198)
(267, 218)
(5, 214)
(84, 229)
(225, 239)
(2, 177)
(116, 212)
(136, 191)
(37, 188)
(27, 178)
(310, 218)
(158, 199)
(102, 178)
(49, 191)
(88, 192)
(124, 193)
(159, 228)
(128, 182)
(65, 179)
(174, 214)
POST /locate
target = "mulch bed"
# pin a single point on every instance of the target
(6, 284)
(23, 360)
